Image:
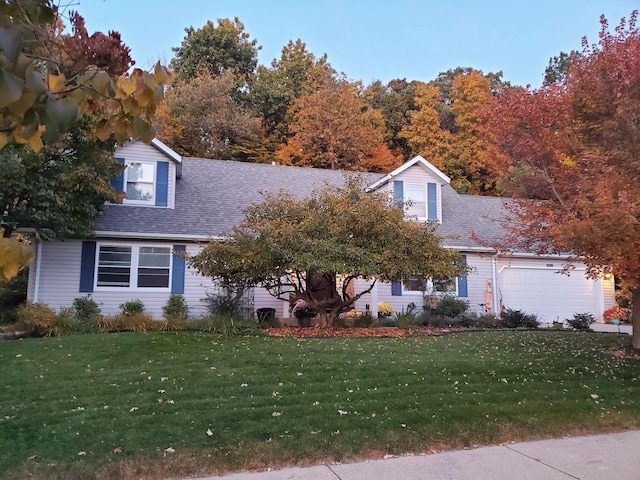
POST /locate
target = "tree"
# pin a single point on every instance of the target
(314, 248)
(558, 67)
(331, 128)
(49, 79)
(203, 120)
(215, 50)
(587, 161)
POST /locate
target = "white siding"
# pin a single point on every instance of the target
(139, 151)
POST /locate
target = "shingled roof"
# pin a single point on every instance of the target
(212, 194)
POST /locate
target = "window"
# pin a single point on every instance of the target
(448, 286)
(416, 194)
(139, 178)
(133, 266)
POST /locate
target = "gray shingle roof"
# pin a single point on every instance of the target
(212, 194)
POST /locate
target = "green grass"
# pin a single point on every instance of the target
(108, 406)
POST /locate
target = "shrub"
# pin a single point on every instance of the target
(37, 318)
(132, 307)
(519, 319)
(174, 323)
(223, 325)
(86, 308)
(12, 294)
(364, 320)
(488, 320)
(468, 319)
(67, 323)
(176, 307)
(406, 318)
(229, 301)
(581, 321)
(450, 306)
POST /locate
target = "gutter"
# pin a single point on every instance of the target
(157, 236)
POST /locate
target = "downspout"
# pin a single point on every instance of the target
(496, 288)
(36, 288)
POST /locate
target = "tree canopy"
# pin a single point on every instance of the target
(579, 143)
(337, 234)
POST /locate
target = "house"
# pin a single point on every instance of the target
(174, 204)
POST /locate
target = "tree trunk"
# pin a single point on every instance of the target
(635, 318)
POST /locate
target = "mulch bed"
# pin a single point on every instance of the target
(625, 352)
(376, 332)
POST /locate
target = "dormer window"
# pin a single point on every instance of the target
(139, 180)
(420, 200)
(415, 196)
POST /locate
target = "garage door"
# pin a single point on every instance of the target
(548, 294)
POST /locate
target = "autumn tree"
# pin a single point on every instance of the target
(274, 90)
(203, 120)
(314, 248)
(216, 49)
(581, 141)
(331, 128)
(59, 90)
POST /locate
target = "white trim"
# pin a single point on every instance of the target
(166, 150)
(133, 268)
(403, 167)
(156, 236)
(36, 287)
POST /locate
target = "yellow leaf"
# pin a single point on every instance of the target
(35, 142)
(145, 97)
(161, 73)
(3, 139)
(57, 82)
(127, 86)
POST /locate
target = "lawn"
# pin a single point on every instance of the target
(150, 405)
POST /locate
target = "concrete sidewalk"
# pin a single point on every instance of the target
(596, 457)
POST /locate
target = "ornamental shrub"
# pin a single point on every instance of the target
(86, 308)
(176, 307)
(581, 321)
(450, 306)
(37, 318)
(132, 306)
(519, 319)
(406, 318)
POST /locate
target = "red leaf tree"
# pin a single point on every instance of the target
(575, 148)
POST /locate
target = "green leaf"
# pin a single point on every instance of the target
(144, 130)
(10, 88)
(11, 42)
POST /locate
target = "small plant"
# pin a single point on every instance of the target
(450, 306)
(303, 313)
(488, 320)
(581, 321)
(406, 318)
(37, 318)
(364, 320)
(86, 308)
(519, 319)
(67, 322)
(384, 310)
(176, 307)
(132, 307)
(230, 301)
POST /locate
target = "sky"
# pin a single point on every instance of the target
(374, 39)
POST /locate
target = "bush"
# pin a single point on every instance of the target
(86, 308)
(581, 321)
(519, 319)
(176, 307)
(406, 318)
(127, 322)
(488, 320)
(13, 294)
(364, 320)
(230, 302)
(37, 318)
(223, 325)
(67, 322)
(468, 319)
(132, 307)
(450, 306)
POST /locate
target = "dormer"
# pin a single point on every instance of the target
(149, 178)
(417, 182)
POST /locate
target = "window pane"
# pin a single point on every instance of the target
(114, 256)
(414, 285)
(140, 172)
(446, 286)
(139, 191)
(155, 257)
(416, 195)
(113, 277)
(153, 277)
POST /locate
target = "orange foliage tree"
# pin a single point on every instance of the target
(331, 128)
(576, 147)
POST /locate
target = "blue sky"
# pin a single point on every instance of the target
(375, 39)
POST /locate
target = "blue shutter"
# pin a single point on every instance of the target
(396, 289)
(162, 184)
(432, 201)
(398, 192)
(462, 282)
(177, 276)
(87, 266)
(118, 182)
